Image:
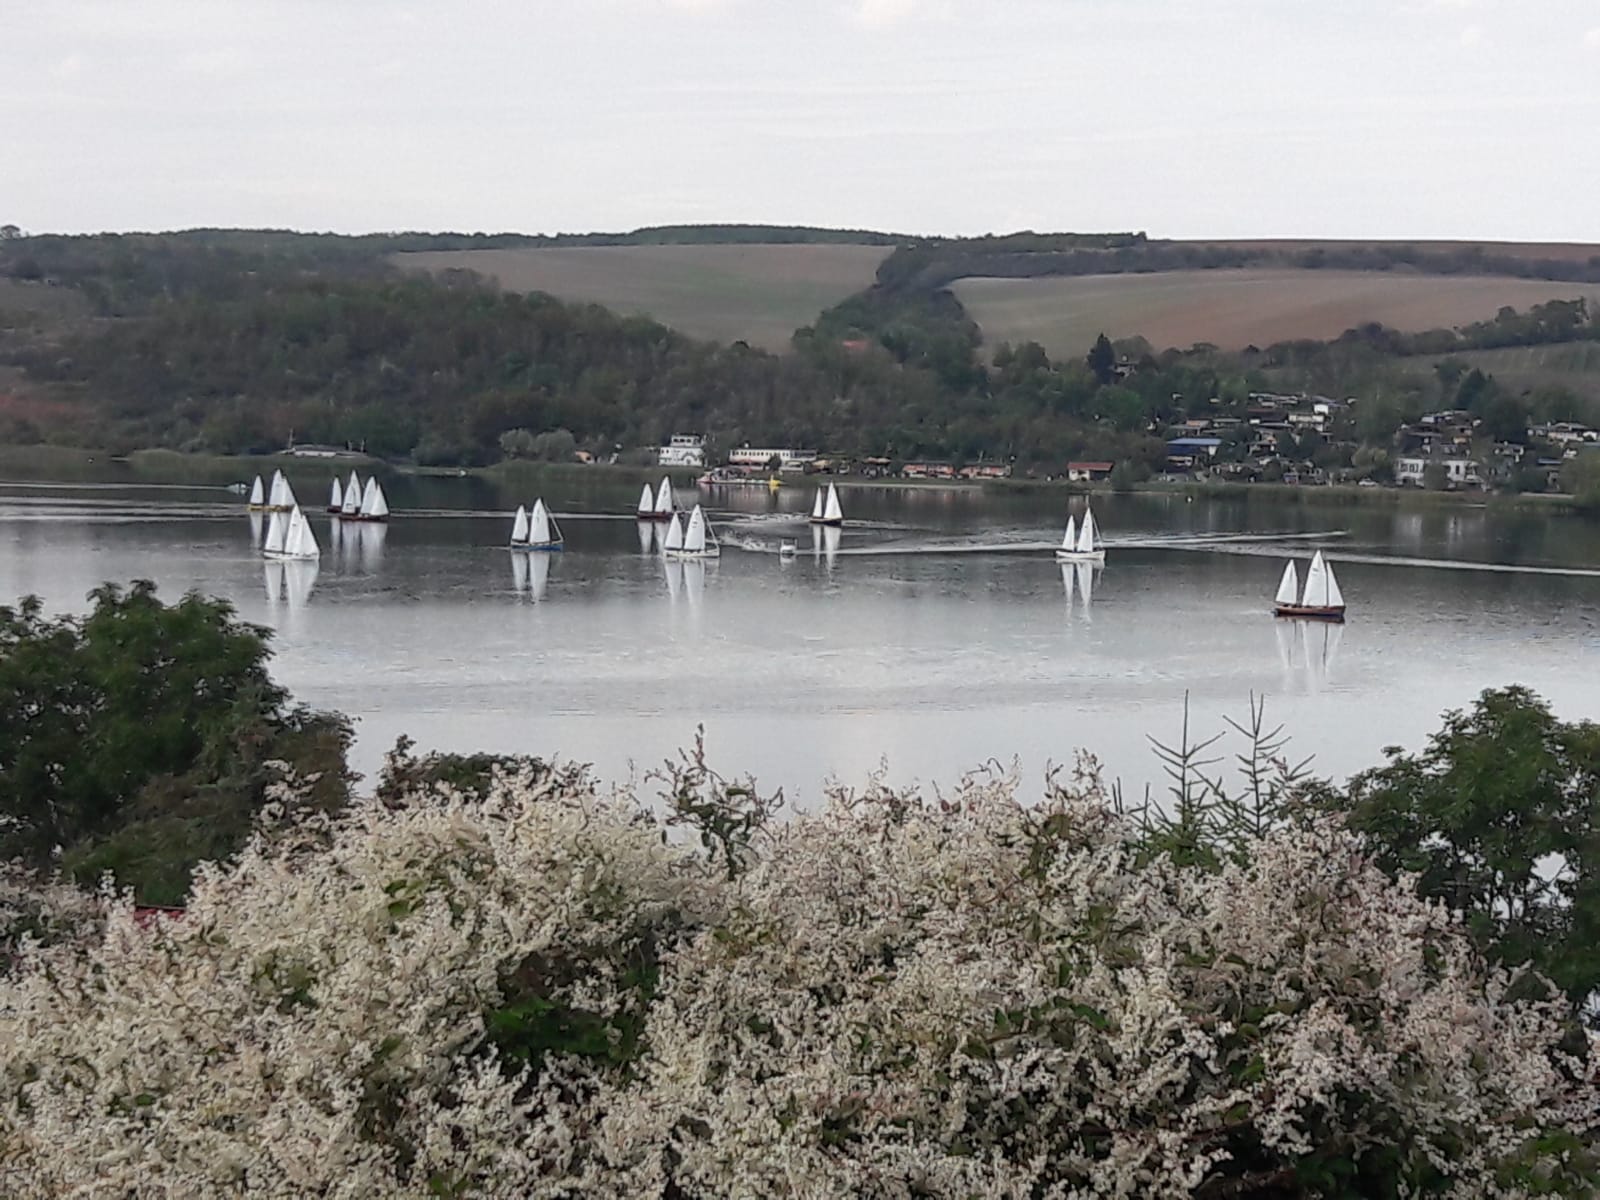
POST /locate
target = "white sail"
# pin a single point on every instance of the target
(258, 495)
(336, 496)
(539, 525)
(833, 512)
(674, 541)
(694, 538)
(519, 527)
(1086, 532)
(277, 526)
(352, 496)
(816, 506)
(1335, 596)
(1289, 587)
(664, 504)
(1316, 593)
(374, 504)
(279, 491)
(300, 541)
(288, 500)
(647, 504)
(1070, 538)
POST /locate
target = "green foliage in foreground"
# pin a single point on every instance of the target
(139, 739)
(1499, 817)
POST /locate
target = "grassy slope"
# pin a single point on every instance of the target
(1572, 365)
(1234, 308)
(760, 293)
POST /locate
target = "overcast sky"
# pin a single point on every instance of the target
(1184, 118)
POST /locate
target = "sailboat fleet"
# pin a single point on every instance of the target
(289, 538)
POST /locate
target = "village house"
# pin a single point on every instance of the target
(1563, 433)
(1459, 472)
(1187, 453)
(986, 471)
(1088, 472)
(928, 470)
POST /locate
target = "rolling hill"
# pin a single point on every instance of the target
(1236, 308)
(758, 293)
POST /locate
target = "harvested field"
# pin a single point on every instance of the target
(1234, 309)
(760, 293)
(1579, 252)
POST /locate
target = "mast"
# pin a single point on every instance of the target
(1316, 593)
(1288, 586)
(694, 538)
(539, 525)
(276, 528)
(1086, 532)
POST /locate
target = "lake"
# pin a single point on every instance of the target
(938, 634)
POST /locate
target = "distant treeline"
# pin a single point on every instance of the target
(932, 264)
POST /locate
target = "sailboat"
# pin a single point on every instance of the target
(1321, 600)
(258, 496)
(825, 508)
(664, 505)
(281, 496)
(1085, 545)
(374, 504)
(352, 497)
(543, 532)
(647, 505)
(336, 497)
(699, 541)
(291, 537)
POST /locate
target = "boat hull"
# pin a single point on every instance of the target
(280, 556)
(1304, 612)
(368, 520)
(653, 516)
(692, 555)
(1080, 556)
(831, 522)
(539, 547)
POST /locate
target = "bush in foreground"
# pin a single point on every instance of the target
(543, 991)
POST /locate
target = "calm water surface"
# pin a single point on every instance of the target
(938, 633)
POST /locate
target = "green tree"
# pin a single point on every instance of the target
(517, 443)
(137, 739)
(556, 445)
(1434, 477)
(1580, 478)
(1102, 359)
(1500, 818)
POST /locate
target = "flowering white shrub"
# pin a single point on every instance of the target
(542, 993)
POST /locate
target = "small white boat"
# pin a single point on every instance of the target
(352, 497)
(258, 496)
(825, 508)
(665, 505)
(336, 497)
(1320, 601)
(543, 532)
(787, 550)
(647, 505)
(291, 537)
(699, 541)
(519, 529)
(1084, 546)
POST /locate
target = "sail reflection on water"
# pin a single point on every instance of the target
(1307, 653)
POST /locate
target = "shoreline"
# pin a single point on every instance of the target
(51, 463)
